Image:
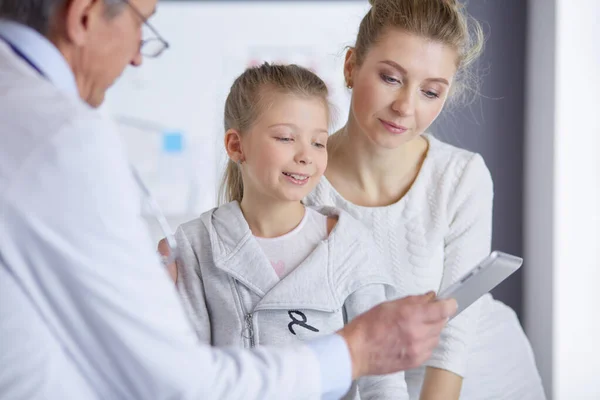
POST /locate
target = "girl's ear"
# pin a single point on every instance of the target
(233, 145)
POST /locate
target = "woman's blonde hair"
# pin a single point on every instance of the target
(444, 21)
(247, 99)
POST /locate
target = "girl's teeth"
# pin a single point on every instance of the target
(296, 177)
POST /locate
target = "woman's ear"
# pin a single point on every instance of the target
(233, 145)
(349, 67)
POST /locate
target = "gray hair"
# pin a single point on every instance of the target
(37, 14)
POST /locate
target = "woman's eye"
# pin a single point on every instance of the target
(431, 95)
(389, 79)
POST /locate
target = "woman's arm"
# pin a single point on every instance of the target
(466, 243)
(440, 384)
(384, 387)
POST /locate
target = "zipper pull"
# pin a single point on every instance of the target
(249, 329)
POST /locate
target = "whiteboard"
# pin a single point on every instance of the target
(181, 94)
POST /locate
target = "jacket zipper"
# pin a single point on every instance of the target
(250, 329)
(248, 332)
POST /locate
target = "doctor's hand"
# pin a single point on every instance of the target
(396, 335)
(164, 251)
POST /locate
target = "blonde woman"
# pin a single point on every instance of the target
(428, 204)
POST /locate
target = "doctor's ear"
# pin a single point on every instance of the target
(79, 17)
(233, 145)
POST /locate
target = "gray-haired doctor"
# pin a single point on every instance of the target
(86, 309)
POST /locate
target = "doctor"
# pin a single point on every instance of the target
(86, 310)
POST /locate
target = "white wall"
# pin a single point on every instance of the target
(539, 185)
(563, 195)
(184, 90)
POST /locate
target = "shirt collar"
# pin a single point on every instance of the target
(40, 52)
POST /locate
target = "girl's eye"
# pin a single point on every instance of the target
(284, 139)
(319, 145)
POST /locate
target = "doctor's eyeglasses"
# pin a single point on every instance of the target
(153, 45)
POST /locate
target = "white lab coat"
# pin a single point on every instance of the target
(86, 310)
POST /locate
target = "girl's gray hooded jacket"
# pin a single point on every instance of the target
(234, 297)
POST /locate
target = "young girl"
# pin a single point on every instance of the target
(429, 204)
(263, 269)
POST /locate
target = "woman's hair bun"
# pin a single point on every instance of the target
(452, 3)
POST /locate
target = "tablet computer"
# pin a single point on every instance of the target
(485, 276)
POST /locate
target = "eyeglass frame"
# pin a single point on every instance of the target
(158, 36)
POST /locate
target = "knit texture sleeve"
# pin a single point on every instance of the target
(384, 387)
(467, 242)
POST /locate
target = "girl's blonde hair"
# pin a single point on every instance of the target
(444, 21)
(247, 99)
